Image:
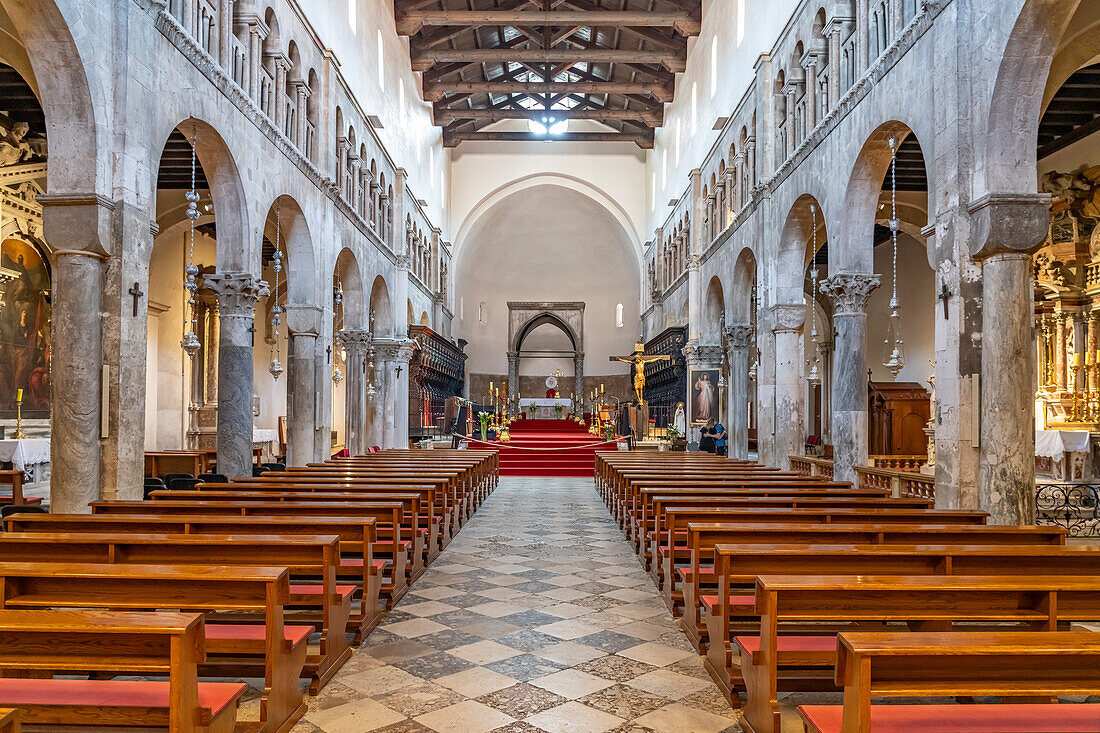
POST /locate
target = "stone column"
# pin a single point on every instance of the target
(790, 433)
(792, 122)
(75, 404)
(849, 293)
(303, 323)
(1008, 228)
(513, 379)
(863, 41)
(833, 32)
(302, 90)
(225, 36)
(739, 339)
(237, 295)
(811, 92)
(578, 378)
(355, 344)
(279, 93)
(731, 192)
(353, 164)
(739, 177)
(897, 23)
(254, 41)
(750, 172)
(342, 166)
(825, 352)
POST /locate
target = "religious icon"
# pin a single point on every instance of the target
(638, 360)
(705, 396)
(25, 328)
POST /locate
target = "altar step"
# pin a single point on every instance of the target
(549, 448)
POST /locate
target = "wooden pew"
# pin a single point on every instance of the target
(772, 661)
(427, 527)
(273, 651)
(1008, 665)
(388, 520)
(714, 621)
(326, 605)
(357, 537)
(160, 463)
(37, 644)
(737, 567)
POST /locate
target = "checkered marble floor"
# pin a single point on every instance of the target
(537, 617)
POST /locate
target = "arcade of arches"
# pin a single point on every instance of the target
(862, 235)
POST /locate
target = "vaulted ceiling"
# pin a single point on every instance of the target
(613, 61)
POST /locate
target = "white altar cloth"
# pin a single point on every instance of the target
(26, 452)
(565, 402)
(1054, 443)
(264, 435)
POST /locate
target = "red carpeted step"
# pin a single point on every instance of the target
(549, 448)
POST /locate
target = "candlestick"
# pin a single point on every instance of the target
(19, 434)
(1076, 360)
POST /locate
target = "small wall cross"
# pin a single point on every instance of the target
(944, 296)
(136, 292)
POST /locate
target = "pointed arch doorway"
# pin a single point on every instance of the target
(525, 317)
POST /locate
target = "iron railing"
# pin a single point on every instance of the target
(1076, 507)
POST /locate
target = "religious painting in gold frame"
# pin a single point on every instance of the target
(706, 397)
(25, 328)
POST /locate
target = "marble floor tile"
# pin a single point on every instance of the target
(537, 618)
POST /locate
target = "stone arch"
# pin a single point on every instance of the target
(714, 312)
(297, 244)
(226, 191)
(1008, 156)
(411, 313)
(854, 249)
(546, 317)
(796, 241)
(61, 83)
(350, 282)
(744, 281)
(381, 307)
(559, 179)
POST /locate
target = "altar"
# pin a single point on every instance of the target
(32, 457)
(546, 407)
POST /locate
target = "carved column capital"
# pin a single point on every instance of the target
(850, 291)
(237, 293)
(788, 317)
(693, 263)
(1009, 224)
(740, 336)
(703, 354)
(303, 319)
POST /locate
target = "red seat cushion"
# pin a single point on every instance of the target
(295, 634)
(687, 572)
(1007, 718)
(751, 644)
(712, 601)
(214, 696)
(316, 590)
(353, 562)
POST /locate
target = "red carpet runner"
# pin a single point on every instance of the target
(562, 448)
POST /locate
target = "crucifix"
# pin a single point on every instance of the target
(328, 354)
(638, 360)
(136, 292)
(944, 296)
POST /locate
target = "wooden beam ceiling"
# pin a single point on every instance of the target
(609, 61)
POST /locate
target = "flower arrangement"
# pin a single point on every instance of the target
(558, 408)
(483, 418)
(672, 433)
(532, 408)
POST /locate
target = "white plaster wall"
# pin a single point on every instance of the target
(477, 169)
(686, 138)
(1085, 152)
(919, 309)
(407, 131)
(547, 243)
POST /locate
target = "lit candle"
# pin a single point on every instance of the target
(601, 388)
(19, 395)
(490, 386)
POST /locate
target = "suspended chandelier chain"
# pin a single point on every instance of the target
(276, 367)
(190, 342)
(895, 360)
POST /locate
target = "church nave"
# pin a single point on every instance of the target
(536, 618)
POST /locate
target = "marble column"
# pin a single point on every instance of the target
(811, 93)
(279, 93)
(302, 90)
(824, 350)
(790, 433)
(739, 338)
(75, 392)
(303, 324)
(393, 374)
(225, 36)
(1008, 229)
(792, 121)
(355, 344)
(254, 41)
(739, 177)
(849, 293)
(237, 295)
(750, 170)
